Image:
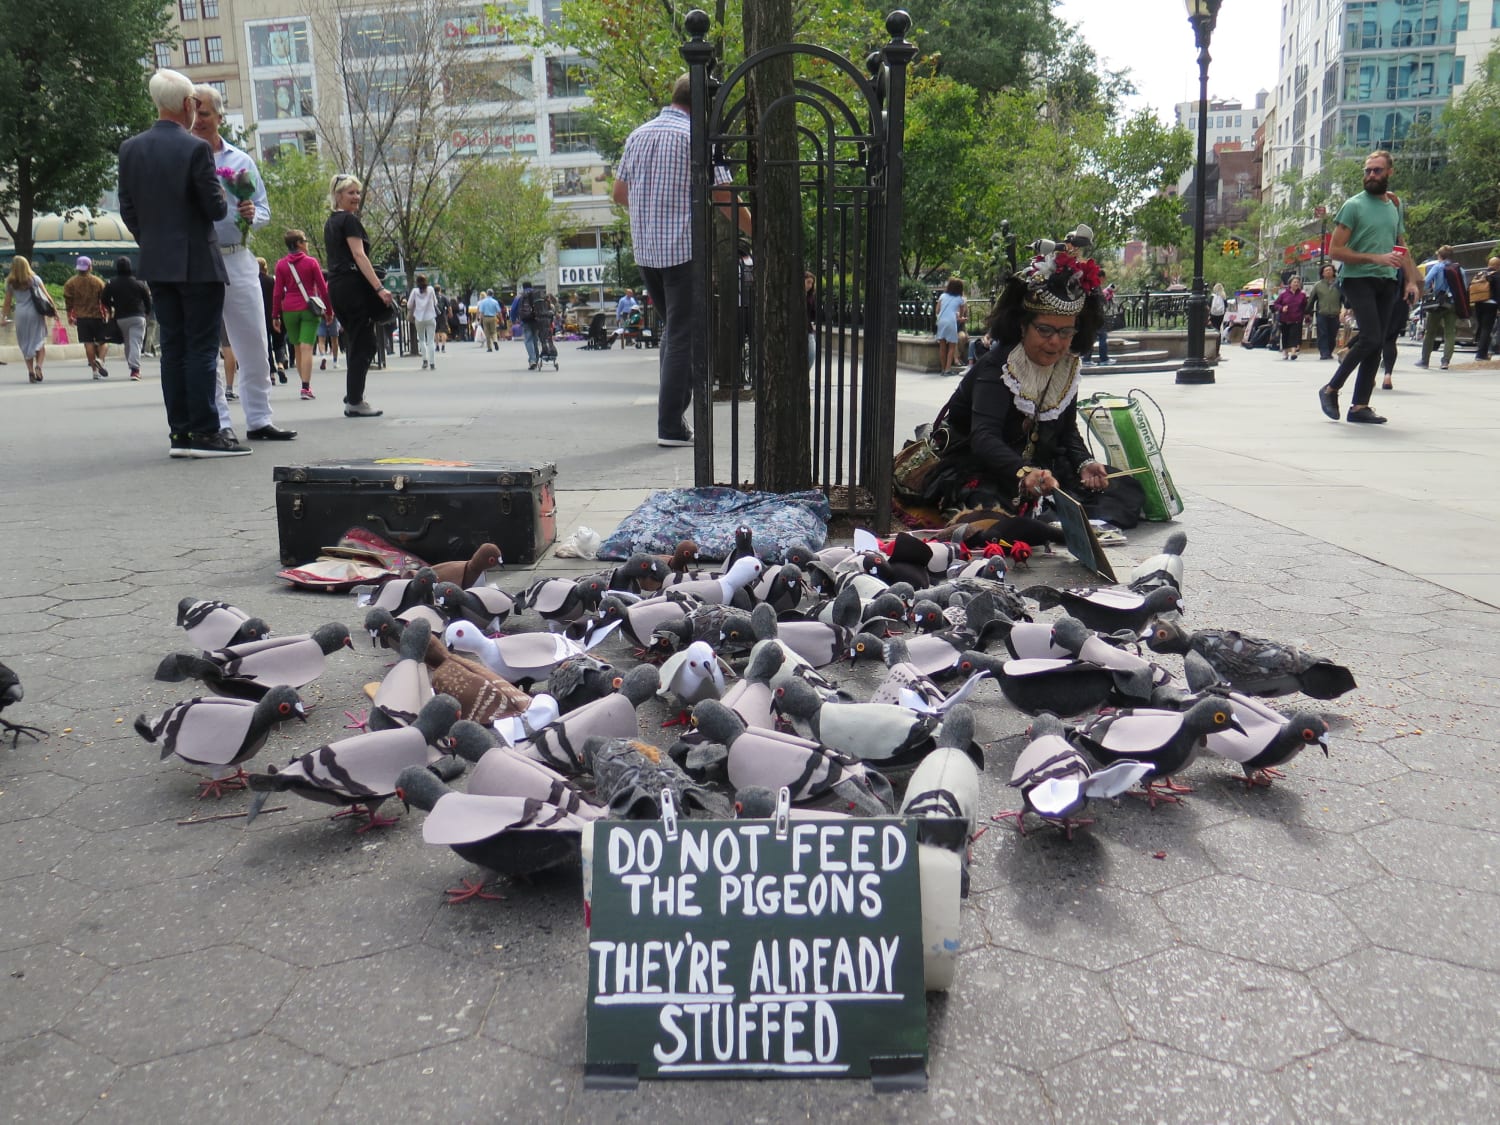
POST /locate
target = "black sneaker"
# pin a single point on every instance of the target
(1364, 414)
(103, 374)
(202, 446)
(1328, 399)
(179, 446)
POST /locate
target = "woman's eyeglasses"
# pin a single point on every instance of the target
(1049, 332)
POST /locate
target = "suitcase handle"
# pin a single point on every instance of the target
(402, 537)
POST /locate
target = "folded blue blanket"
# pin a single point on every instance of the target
(708, 516)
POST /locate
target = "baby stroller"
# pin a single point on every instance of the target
(546, 347)
(599, 339)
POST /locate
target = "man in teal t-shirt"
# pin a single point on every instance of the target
(1369, 238)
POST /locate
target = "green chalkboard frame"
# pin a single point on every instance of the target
(876, 1030)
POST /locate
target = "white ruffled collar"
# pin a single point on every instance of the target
(1041, 392)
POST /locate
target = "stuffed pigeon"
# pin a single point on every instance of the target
(213, 624)
(248, 671)
(220, 733)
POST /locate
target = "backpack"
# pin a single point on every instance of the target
(1459, 289)
(526, 310)
(1218, 307)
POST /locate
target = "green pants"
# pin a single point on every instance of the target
(1445, 321)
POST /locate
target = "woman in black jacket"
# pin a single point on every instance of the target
(1013, 420)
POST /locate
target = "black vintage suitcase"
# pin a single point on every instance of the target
(440, 510)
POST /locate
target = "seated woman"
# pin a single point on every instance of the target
(1013, 420)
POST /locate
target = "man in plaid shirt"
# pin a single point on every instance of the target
(654, 180)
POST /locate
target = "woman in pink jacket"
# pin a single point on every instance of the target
(292, 304)
(1291, 313)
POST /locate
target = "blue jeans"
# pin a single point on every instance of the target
(188, 315)
(1328, 334)
(671, 289)
(528, 336)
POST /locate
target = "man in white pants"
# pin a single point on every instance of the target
(244, 308)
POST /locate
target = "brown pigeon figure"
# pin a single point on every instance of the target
(466, 574)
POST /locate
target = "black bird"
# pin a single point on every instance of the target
(248, 671)
(581, 679)
(1063, 686)
(486, 607)
(1165, 740)
(11, 692)
(1163, 568)
(744, 546)
(400, 594)
(1254, 665)
(1109, 608)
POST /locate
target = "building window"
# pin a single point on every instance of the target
(210, 9)
(569, 78)
(188, 9)
(1495, 13)
(215, 45)
(223, 90)
(570, 133)
(163, 55)
(192, 52)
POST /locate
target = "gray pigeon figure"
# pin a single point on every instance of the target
(774, 663)
(1110, 608)
(407, 687)
(581, 679)
(385, 629)
(1056, 781)
(248, 671)
(1135, 677)
(484, 606)
(399, 594)
(639, 621)
(1254, 665)
(1165, 740)
(11, 692)
(819, 643)
(502, 771)
(559, 745)
(1163, 568)
(502, 834)
(359, 773)
(557, 601)
(817, 775)
(883, 735)
(220, 733)
(630, 774)
(1271, 739)
(214, 624)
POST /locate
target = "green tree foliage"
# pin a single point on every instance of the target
(297, 192)
(945, 156)
(496, 228)
(73, 89)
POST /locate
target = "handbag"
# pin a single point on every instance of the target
(41, 301)
(917, 462)
(315, 303)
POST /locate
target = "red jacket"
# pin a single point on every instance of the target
(1291, 306)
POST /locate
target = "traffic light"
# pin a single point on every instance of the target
(1231, 248)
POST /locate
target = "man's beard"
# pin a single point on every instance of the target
(1377, 186)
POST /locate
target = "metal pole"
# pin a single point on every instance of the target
(699, 54)
(1196, 369)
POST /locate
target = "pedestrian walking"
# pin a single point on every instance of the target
(1369, 238)
(1291, 307)
(23, 292)
(244, 315)
(359, 296)
(81, 294)
(170, 199)
(1327, 304)
(1484, 296)
(424, 313)
(128, 302)
(277, 352)
(654, 180)
(1446, 301)
(489, 317)
(299, 291)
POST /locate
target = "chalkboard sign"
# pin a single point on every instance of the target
(1079, 535)
(723, 950)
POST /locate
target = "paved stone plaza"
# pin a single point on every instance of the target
(1324, 950)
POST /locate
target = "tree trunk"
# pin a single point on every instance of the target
(783, 416)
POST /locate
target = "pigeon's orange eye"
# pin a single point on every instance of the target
(1220, 717)
(1308, 735)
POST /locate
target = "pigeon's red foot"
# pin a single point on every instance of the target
(218, 786)
(376, 821)
(1262, 777)
(1017, 815)
(1171, 786)
(352, 810)
(683, 719)
(1070, 824)
(1156, 793)
(360, 721)
(471, 889)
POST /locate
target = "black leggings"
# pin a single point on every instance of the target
(1373, 302)
(1291, 336)
(353, 301)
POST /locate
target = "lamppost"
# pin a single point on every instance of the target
(1202, 14)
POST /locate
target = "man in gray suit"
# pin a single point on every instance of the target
(170, 199)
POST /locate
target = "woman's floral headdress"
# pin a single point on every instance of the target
(1057, 282)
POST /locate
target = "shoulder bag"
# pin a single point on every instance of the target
(41, 300)
(314, 303)
(917, 462)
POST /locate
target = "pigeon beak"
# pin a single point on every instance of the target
(302, 714)
(374, 637)
(1234, 725)
(401, 796)
(1324, 745)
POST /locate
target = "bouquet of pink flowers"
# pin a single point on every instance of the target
(241, 186)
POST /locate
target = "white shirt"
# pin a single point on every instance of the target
(422, 303)
(227, 228)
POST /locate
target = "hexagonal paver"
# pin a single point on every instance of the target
(526, 1013)
(375, 1008)
(1145, 1082)
(1026, 1012)
(1336, 1086)
(1273, 851)
(256, 1079)
(155, 853)
(1259, 922)
(47, 1078)
(39, 985)
(1224, 1008)
(27, 795)
(40, 908)
(540, 921)
(1428, 920)
(457, 1082)
(180, 1003)
(1085, 925)
(1416, 1003)
(184, 915)
(1437, 853)
(1468, 802)
(325, 924)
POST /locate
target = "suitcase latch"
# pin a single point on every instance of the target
(399, 482)
(403, 505)
(299, 509)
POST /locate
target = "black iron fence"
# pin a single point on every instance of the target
(1142, 311)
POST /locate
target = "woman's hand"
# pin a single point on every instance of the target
(388, 297)
(1038, 482)
(1095, 476)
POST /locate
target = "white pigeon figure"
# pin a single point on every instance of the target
(516, 729)
(516, 656)
(692, 675)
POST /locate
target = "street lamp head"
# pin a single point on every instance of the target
(1206, 10)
